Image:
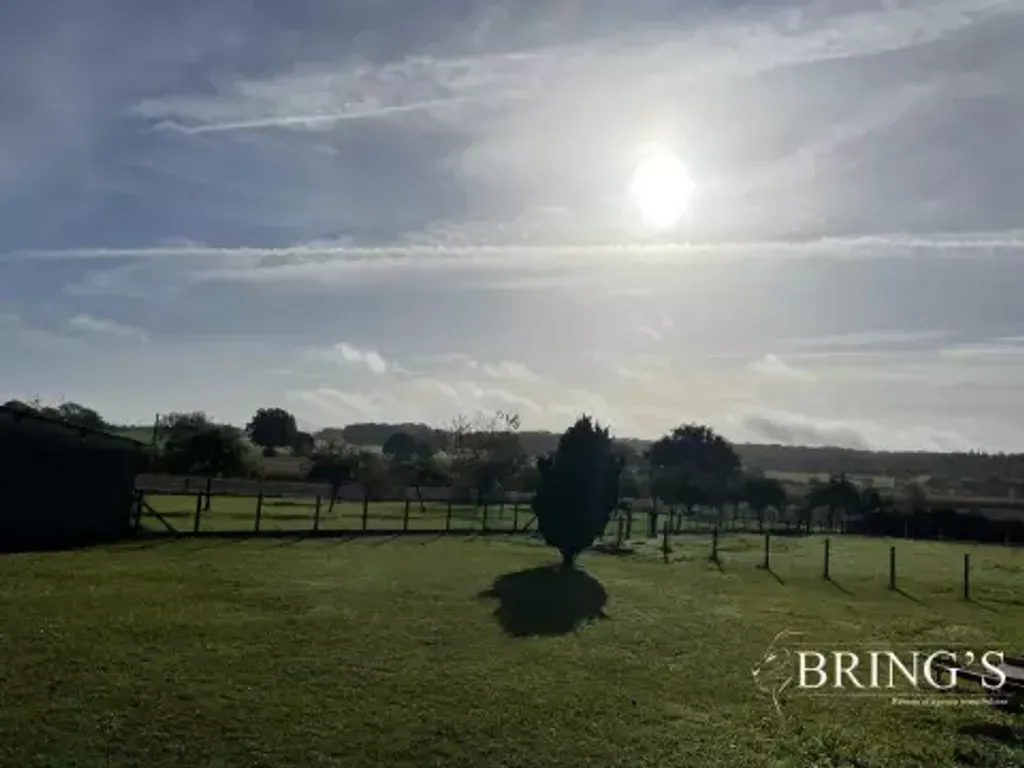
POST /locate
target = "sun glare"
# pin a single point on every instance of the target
(661, 187)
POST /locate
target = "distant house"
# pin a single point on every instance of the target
(284, 467)
(62, 485)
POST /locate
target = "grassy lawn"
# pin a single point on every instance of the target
(417, 652)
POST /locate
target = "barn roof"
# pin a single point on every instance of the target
(18, 415)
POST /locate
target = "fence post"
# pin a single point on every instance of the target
(259, 511)
(714, 544)
(892, 567)
(316, 514)
(366, 509)
(629, 523)
(515, 518)
(767, 552)
(664, 540)
(621, 533)
(828, 543)
(209, 491)
(483, 518)
(448, 514)
(199, 510)
(405, 516)
(138, 510)
(967, 576)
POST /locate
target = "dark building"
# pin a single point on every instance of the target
(60, 485)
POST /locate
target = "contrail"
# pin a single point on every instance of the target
(285, 121)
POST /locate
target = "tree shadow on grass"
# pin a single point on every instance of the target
(612, 549)
(209, 543)
(983, 606)
(839, 586)
(546, 601)
(909, 596)
(1010, 735)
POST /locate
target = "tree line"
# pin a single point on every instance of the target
(975, 473)
(984, 473)
(691, 470)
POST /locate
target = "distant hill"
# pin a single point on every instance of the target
(772, 458)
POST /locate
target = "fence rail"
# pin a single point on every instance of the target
(446, 509)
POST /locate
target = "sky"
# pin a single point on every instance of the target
(386, 210)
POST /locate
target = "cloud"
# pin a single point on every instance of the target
(369, 357)
(772, 366)
(351, 267)
(346, 353)
(992, 351)
(307, 121)
(650, 333)
(443, 387)
(865, 339)
(797, 429)
(353, 89)
(19, 333)
(123, 281)
(341, 404)
(492, 395)
(99, 326)
(447, 358)
(508, 369)
(316, 97)
(631, 373)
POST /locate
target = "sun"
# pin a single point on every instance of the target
(661, 187)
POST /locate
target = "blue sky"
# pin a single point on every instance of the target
(374, 210)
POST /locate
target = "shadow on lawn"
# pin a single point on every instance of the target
(546, 601)
(1009, 735)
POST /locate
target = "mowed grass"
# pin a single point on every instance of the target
(389, 651)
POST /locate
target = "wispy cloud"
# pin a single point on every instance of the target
(358, 90)
(16, 331)
(865, 339)
(324, 256)
(472, 390)
(354, 89)
(340, 404)
(96, 325)
(772, 366)
(346, 353)
(508, 369)
(798, 429)
(453, 358)
(311, 120)
(992, 351)
(636, 375)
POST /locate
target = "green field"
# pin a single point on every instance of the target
(238, 513)
(412, 651)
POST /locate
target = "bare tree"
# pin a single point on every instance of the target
(484, 450)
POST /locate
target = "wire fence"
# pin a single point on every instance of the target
(904, 566)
